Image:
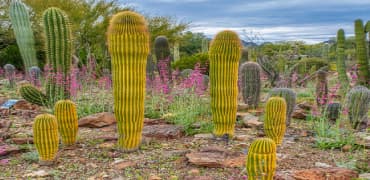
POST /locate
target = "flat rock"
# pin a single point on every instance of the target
(299, 113)
(305, 105)
(251, 121)
(163, 131)
(22, 140)
(24, 105)
(122, 164)
(216, 157)
(204, 136)
(97, 120)
(37, 174)
(332, 173)
(322, 165)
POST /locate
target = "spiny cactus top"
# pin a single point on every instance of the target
(161, 47)
(23, 32)
(224, 55)
(128, 44)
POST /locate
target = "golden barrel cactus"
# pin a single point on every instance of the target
(275, 118)
(66, 114)
(261, 159)
(128, 44)
(45, 137)
(224, 55)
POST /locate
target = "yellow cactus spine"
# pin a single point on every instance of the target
(275, 118)
(224, 55)
(261, 159)
(128, 44)
(66, 114)
(45, 137)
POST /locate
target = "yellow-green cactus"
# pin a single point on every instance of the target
(66, 114)
(45, 137)
(275, 118)
(261, 159)
(224, 55)
(128, 44)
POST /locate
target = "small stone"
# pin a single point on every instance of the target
(22, 140)
(154, 177)
(241, 137)
(194, 172)
(323, 173)
(299, 113)
(107, 145)
(163, 131)
(251, 121)
(203, 136)
(346, 148)
(122, 164)
(305, 105)
(97, 120)
(23, 105)
(37, 174)
(322, 165)
(243, 107)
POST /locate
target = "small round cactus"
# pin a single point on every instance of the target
(34, 74)
(66, 114)
(250, 83)
(275, 118)
(290, 98)
(333, 111)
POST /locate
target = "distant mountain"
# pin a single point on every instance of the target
(249, 44)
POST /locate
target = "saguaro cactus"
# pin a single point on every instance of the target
(45, 137)
(58, 52)
(128, 44)
(322, 88)
(275, 117)
(224, 55)
(361, 53)
(341, 65)
(23, 33)
(163, 54)
(261, 159)
(358, 101)
(66, 114)
(290, 98)
(250, 83)
(10, 74)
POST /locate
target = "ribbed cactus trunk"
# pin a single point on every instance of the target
(128, 44)
(290, 98)
(341, 65)
(66, 114)
(361, 54)
(45, 137)
(224, 55)
(275, 118)
(358, 101)
(163, 55)
(322, 90)
(261, 159)
(333, 111)
(58, 52)
(33, 95)
(250, 82)
(23, 33)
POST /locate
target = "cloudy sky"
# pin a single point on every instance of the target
(268, 20)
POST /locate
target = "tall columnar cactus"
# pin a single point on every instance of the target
(244, 57)
(322, 89)
(341, 65)
(23, 33)
(10, 74)
(333, 111)
(275, 118)
(45, 137)
(261, 159)
(358, 101)
(224, 55)
(34, 74)
(361, 53)
(128, 44)
(163, 55)
(33, 95)
(205, 45)
(58, 52)
(290, 98)
(250, 83)
(66, 114)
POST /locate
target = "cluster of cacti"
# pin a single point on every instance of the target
(269, 69)
(333, 111)
(10, 74)
(163, 55)
(66, 114)
(23, 33)
(58, 33)
(341, 65)
(205, 45)
(275, 117)
(34, 74)
(358, 101)
(290, 98)
(322, 88)
(224, 55)
(361, 54)
(250, 82)
(244, 57)
(45, 137)
(33, 95)
(128, 44)
(261, 159)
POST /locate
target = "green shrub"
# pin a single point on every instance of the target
(11, 55)
(188, 62)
